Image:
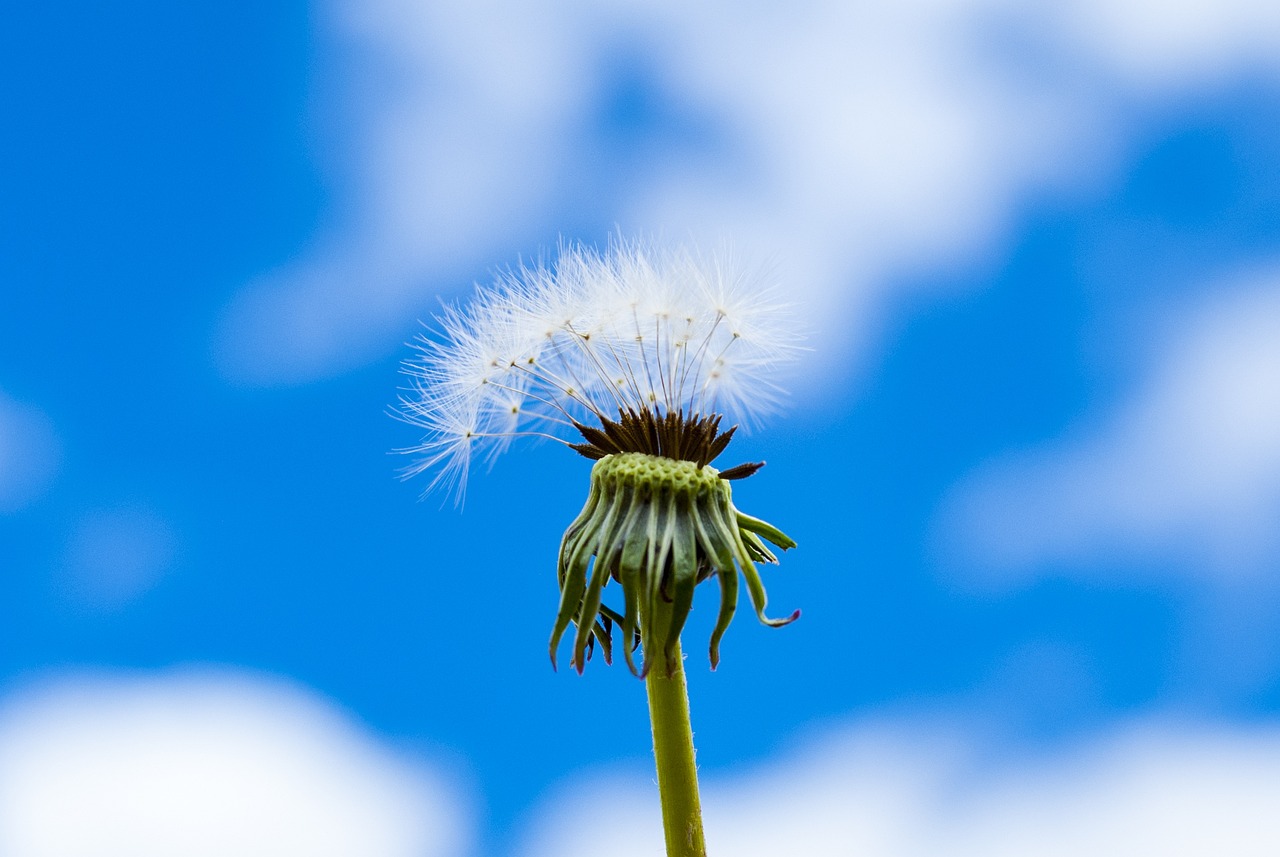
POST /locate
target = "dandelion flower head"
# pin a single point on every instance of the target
(669, 337)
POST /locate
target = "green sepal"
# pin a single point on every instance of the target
(574, 575)
(631, 617)
(756, 548)
(764, 528)
(755, 588)
(684, 579)
(602, 631)
(600, 576)
(728, 605)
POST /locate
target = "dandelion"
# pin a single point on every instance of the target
(632, 358)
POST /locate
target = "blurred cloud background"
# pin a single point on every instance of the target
(1033, 461)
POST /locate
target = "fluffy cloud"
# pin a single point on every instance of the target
(855, 143)
(1153, 45)
(28, 453)
(900, 791)
(208, 766)
(1186, 471)
(450, 155)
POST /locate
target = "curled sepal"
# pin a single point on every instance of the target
(658, 526)
(728, 605)
(755, 588)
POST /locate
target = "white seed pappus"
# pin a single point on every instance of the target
(631, 328)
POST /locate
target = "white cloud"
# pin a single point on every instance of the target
(1186, 471)
(114, 555)
(207, 765)
(862, 142)
(449, 155)
(28, 453)
(910, 791)
(1156, 45)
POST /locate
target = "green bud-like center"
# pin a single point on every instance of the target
(652, 476)
(658, 526)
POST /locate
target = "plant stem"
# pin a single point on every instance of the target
(673, 750)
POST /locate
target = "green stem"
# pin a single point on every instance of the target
(673, 750)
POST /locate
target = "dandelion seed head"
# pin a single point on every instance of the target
(593, 335)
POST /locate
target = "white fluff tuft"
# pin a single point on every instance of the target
(632, 328)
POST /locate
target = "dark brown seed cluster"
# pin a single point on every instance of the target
(671, 435)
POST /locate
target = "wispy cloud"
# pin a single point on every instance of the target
(856, 144)
(28, 453)
(1183, 475)
(208, 765)
(900, 790)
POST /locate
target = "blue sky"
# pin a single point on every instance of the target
(1032, 461)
